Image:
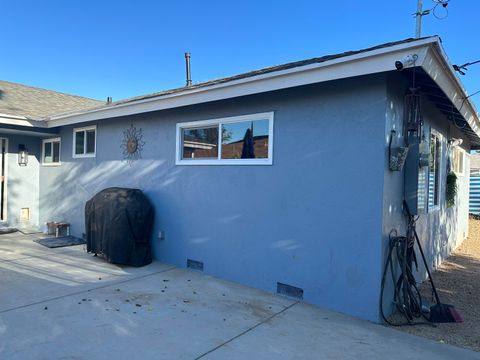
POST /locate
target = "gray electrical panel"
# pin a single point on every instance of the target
(411, 176)
(416, 179)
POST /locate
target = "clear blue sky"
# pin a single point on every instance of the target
(127, 48)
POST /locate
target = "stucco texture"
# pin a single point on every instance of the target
(22, 182)
(310, 220)
(440, 229)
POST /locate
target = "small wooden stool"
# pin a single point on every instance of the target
(55, 227)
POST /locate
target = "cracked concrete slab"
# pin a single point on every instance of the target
(54, 306)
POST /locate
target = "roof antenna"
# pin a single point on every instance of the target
(420, 13)
(187, 65)
(418, 18)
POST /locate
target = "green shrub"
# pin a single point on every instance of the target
(451, 188)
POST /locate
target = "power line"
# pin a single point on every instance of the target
(462, 68)
(466, 98)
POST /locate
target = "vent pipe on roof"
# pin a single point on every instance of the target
(187, 65)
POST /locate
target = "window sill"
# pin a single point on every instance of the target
(51, 164)
(226, 162)
(83, 156)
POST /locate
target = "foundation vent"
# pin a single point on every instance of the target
(289, 290)
(195, 265)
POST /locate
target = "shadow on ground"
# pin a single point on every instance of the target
(458, 283)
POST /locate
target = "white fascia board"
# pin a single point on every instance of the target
(20, 121)
(436, 65)
(375, 61)
(26, 132)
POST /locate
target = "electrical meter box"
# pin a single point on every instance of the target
(415, 179)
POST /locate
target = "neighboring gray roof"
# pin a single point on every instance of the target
(35, 103)
(90, 104)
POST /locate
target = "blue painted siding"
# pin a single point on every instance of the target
(22, 181)
(440, 229)
(300, 221)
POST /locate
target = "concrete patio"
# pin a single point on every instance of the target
(66, 304)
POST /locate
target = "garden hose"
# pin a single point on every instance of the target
(407, 298)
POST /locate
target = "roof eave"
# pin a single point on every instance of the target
(368, 62)
(439, 68)
(9, 119)
(430, 56)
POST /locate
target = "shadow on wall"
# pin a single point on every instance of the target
(66, 189)
(438, 235)
(14, 187)
(21, 188)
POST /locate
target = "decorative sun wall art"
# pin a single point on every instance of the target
(132, 144)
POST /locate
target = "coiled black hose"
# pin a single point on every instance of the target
(407, 298)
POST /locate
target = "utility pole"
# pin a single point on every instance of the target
(418, 16)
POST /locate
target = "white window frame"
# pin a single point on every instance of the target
(52, 140)
(84, 129)
(462, 153)
(436, 207)
(218, 122)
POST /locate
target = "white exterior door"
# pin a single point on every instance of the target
(3, 178)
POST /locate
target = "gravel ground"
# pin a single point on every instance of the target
(458, 283)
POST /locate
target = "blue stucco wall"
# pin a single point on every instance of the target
(440, 230)
(311, 220)
(22, 181)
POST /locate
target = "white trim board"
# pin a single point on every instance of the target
(22, 121)
(363, 63)
(85, 154)
(5, 181)
(447, 80)
(52, 140)
(218, 122)
(321, 72)
(431, 58)
(26, 132)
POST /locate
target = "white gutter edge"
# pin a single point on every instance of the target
(461, 102)
(21, 121)
(116, 110)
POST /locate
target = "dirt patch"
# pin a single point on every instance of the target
(458, 283)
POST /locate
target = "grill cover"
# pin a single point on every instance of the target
(118, 223)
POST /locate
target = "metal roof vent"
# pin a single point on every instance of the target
(187, 66)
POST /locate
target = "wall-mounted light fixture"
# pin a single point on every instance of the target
(22, 155)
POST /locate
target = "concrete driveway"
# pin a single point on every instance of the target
(66, 304)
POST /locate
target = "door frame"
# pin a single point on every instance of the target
(3, 199)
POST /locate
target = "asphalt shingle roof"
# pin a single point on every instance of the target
(36, 103)
(263, 71)
(41, 104)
